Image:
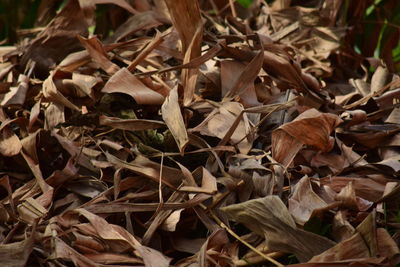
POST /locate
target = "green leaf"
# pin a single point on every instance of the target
(245, 3)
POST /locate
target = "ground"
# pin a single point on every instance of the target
(199, 133)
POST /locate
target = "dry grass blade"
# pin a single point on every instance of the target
(130, 125)
(158, 39)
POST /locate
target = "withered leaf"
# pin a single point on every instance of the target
(130, 125)
(61, 32)
(17, 94)
(309, 128)
(16, 254)
(10, 145)
(123, 81)
(98, 54)
(186, 17)
(131, 132)
(171, 113)
(304, 201)
(270, 218)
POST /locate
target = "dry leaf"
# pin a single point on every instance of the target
(125, 82)
(16, 254)
(186, 17)
(131, 133)
(10, 145)
(98, 54)
(172, 116)
(130, 125)
(304, 201)
(309, 128)
(270, 218)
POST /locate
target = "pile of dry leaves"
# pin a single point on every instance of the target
(198, 133)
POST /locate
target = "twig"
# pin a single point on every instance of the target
(233, 9)
(257, 259)
(266, 257)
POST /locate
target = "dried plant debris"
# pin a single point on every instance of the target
(201, 133)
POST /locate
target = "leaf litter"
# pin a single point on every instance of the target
(198, 133)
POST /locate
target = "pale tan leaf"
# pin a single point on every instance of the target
(10, 145)
(170, 176)
(51, 92)
(125, 82)
(152, 257)
(17, 94)
(172, 116)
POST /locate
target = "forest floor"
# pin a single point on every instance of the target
(200, 133)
